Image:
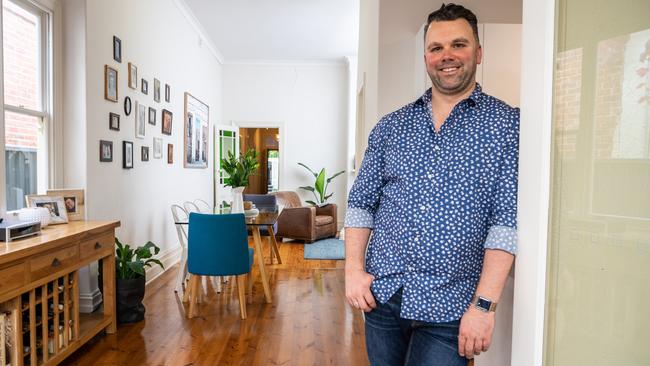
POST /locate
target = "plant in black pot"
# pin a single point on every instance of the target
(130, 264)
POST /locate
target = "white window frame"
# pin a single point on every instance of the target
(46, 164)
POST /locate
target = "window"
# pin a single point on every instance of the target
(26, 77)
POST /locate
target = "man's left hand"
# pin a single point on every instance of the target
(475, 333)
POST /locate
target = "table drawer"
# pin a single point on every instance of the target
(100, 245)
(46, 264)
(12, 277)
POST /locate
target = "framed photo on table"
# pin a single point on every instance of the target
(55, 204)
(73, 200)
(195, 122)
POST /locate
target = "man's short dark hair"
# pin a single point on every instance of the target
(451, 11)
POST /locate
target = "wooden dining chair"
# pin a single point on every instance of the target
(218, 246)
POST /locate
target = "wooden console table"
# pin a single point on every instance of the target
(39, 291)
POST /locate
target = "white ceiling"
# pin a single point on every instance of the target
(280, 30)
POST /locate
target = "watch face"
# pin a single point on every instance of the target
(483, 304)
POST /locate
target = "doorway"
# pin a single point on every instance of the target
(266, 142)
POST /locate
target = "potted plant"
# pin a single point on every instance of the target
(239, 169)
(319, 189)
(130, 264)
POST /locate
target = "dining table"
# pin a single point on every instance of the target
(265, 218)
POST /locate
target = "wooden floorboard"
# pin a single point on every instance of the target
(308, 323)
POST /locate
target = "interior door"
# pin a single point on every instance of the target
(226, 139)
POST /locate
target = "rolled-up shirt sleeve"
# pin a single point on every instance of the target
(364, 196)
(502, 233)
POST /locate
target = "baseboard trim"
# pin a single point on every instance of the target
(168, 258)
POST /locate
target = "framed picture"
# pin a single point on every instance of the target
(156, 90)
(157, 148)
(117, 49)
(54, 204)
(152, 116)
(170, 154)
(144, 153)
(110, 83)
(133, 76)
(195, 135)
(127, 154)
(167, 93)
(74, 202)
(114, 121)
(144, 86)
(140, 120)
(105, 151)
(127, 106)
(166, 122)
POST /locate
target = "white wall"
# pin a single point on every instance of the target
(162, 43)
(310, 101)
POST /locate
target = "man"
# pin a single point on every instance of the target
(438, 190)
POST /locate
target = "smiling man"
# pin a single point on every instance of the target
(437, 190)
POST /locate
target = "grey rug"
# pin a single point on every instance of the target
(331, 248)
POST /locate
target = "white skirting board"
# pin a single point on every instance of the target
(168, 258)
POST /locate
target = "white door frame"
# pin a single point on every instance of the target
(538, 36)
(281, 131)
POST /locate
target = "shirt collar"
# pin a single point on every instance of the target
(473, 98)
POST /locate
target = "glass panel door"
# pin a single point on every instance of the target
(226, 141)
(599, 255)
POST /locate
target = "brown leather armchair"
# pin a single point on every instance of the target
(306, 223)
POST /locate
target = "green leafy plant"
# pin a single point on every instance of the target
(131, 262)
(239, 168)
(319, 189)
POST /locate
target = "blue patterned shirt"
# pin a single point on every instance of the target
(436, 200)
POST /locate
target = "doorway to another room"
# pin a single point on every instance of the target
(266, 142)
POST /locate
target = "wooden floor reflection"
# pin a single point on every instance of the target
(308, 323)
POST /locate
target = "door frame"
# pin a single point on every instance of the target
(538, 47)
(281, 146)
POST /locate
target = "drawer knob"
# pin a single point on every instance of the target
(98, 245)
(56, 262)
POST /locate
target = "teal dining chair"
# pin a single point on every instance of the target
(218, 246)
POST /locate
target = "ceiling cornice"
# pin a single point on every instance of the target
(198, 28)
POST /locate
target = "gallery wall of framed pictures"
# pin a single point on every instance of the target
(137, 107)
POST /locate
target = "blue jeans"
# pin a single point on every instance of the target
(391, 340)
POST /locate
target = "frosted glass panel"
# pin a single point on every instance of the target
(599, 257)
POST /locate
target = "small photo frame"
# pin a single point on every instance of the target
(152, 116)
(140, 120)
(117, 49)
(114, 121)
(54, 204)
(167, 93)
(127, 106)
(127, 154)
(144, 86)
(166, 122)
(157, 148)
(110, 83)
(105, 151)
(170, 154)
(133, 76)
(156, 90)
(73, 200)
(144, 153)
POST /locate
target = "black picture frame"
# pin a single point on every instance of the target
(152, 116)
(156, 90)
(167, 93)
(144, 87)
(127, 106)
(127, 154)
(117, 49)
(105, 151)
(114, 121)
(144, 153)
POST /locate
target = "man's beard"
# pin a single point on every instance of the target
(466, 79)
